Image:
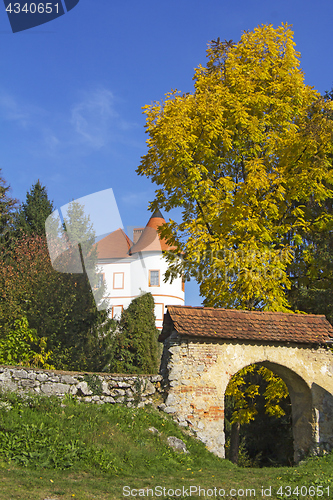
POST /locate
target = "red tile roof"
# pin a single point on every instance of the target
(114, 246)
(246, 325)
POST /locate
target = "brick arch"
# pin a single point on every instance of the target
(205, 347)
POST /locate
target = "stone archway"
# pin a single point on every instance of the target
(303, 416)
(302, 410)
(205, 347)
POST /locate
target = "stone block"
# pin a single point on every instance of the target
(153, 430)
(54, 389)
(170, 409)
(123, 385)
(105, 388)
(108, 399)
(177, 444)
(82, 389)
(68, 379)
(5, 376)
(119, 392)
(9, 384)
(172, 399)
(28, 383)
(19, 374)
(149, 389)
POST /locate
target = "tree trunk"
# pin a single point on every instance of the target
(234, 442)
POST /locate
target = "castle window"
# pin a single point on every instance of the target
(100, 280)
(118, 281)
(116, 311)
(154, 278)
(159, 311)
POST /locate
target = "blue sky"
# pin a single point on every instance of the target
(71, 91)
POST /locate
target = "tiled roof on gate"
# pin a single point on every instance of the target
(246, 325)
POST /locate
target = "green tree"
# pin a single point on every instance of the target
(80, 233)
(242, 156)
(135, 348)
(311, 272)
(22, 346)
(58, 306)
(7, 206)
(32, 214)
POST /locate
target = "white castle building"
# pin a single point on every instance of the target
(129, 268)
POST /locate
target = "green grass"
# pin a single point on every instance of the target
(68, 450)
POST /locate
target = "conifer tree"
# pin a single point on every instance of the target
(32, 214)
(7, 205)
(135, 348)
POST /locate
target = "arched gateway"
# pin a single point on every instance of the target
(205, 347)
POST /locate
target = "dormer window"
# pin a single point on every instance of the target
(154, 278)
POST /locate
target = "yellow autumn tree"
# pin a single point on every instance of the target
(246, 156)
(242, 155)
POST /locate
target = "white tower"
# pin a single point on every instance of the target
(130, 268)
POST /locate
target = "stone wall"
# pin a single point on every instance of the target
(132, 390)
(194, 376)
